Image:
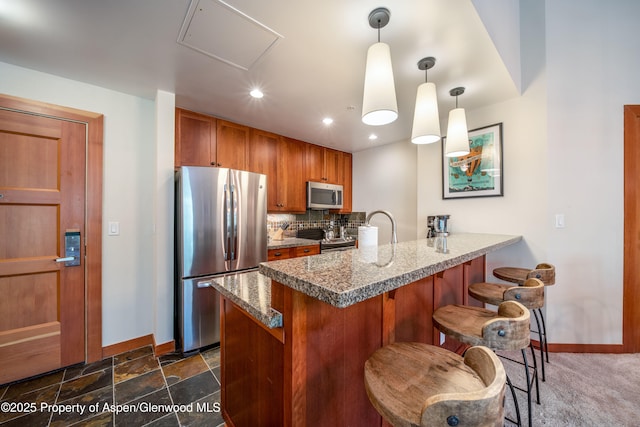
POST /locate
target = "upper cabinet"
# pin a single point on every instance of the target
(323, 164)
(281, 159)
(195, 139)
(347, 177)
(292, 192)
(232, 145)
(202, 140)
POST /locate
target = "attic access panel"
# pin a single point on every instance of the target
(220, 31)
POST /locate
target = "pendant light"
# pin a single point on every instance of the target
(426, 121)
(379, 106)
(457, 142)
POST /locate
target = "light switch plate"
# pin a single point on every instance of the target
(113, 228)
(559, 220)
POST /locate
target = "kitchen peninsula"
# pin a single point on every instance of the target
(295, 336)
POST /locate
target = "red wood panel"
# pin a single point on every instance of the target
(631, 274)
(253, 371)
(413, 311)
(448, 289)
(474, 272)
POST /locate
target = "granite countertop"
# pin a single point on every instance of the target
(290, 242)
(345, 278)
(252, 292)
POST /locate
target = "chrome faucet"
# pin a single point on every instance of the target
(394, 236)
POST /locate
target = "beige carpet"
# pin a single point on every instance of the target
(581, 390)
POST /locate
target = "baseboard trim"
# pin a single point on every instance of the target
(582, 348)
(165, 348)
(132, 344)
(586, 348)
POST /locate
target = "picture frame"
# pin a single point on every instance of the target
(478, 174)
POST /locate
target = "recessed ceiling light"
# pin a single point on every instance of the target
(373, 136)
(327, 121)
(256, 93)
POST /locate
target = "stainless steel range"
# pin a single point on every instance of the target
(327, 244)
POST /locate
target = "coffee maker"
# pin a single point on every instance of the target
(437, 225)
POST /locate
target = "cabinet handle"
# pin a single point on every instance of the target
(306, 251)
(278, 254)
(213, 163)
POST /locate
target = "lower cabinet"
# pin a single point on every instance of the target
(311, 370)
(298, 251)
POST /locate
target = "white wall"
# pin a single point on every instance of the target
(164, 216)
(592, 63)
(385, 178)
(129, 197)
(563, 154)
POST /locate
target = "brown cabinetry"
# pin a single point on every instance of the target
(323, 164)
(203, 140)
(232, 141)
(195, 139)
(347, 178)
(298, 251)
(314, 377)
(281, 159)
(331, 166)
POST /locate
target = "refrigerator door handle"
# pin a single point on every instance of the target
(227, 223)
(234, 222)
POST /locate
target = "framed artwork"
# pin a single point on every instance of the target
(479, 173)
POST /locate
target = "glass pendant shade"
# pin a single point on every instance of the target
(426, 122)
(379, 106)
(457, 143)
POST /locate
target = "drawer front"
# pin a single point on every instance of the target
(276, 254)
(307, 250)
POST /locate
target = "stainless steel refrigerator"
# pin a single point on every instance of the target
(221, 228)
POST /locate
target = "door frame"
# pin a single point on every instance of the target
(631, 274)
(93, 198)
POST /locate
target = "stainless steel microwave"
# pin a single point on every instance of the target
(324, 196)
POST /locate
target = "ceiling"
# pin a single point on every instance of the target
(311, 64)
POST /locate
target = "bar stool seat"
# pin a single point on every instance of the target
(416, 384)
(507, 329)
(546, 273)
(530, 294)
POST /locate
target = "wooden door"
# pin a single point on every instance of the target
(42, 197)
(631, 275)
(232, 140)
(195, 139)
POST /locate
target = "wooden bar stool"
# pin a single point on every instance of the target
(546, 273)
(506, 329)
(416, 384)
(530, 294)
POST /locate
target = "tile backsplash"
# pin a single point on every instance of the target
(315, 219)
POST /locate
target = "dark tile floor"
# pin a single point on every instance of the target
(129, 389)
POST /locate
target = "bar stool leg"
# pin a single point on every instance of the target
(535, 373)
(515, 403)
(526, 367)
(544, 328)
(543, 340)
